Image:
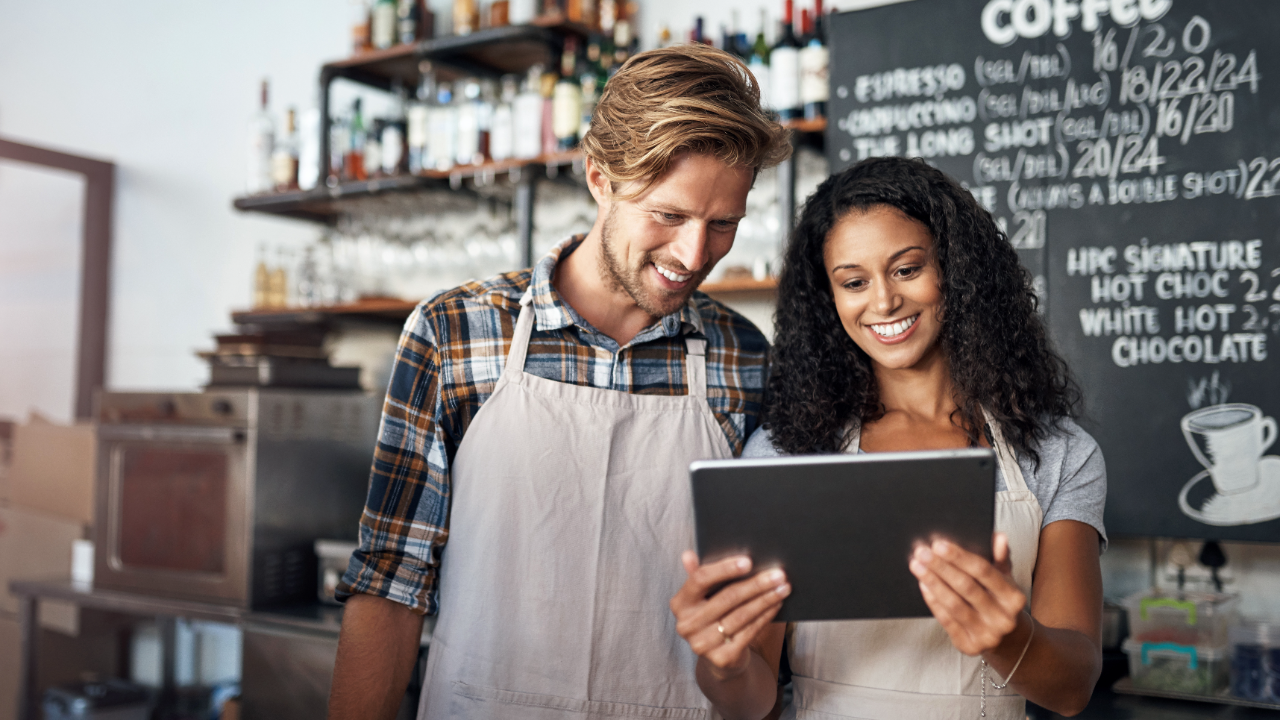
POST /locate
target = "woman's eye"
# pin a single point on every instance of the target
(907, 271)
(855, 284)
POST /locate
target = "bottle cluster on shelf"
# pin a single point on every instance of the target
(472, 121)
(274, 156)
(382, 24)
(791, 70)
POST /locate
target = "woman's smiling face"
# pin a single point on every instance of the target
(886, 284)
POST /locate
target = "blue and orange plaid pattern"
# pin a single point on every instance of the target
(449, 360)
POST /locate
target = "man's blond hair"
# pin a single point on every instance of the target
(672, 100)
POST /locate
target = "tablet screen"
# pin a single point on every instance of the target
(844, 526)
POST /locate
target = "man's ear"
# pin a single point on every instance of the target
(600, 186)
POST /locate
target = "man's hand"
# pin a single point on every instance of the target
(720, 629)
(377, 651)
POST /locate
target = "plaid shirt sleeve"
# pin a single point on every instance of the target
(404, 526)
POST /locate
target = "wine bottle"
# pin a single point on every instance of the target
(758, 63)
(419, 120)
(262, 135)
(814, 61)
(784, 68)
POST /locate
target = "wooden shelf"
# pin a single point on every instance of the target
(486, 53)
(369, 308)
(801, 125)
(327, 204)
(398, 309)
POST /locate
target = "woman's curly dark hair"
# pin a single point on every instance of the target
(821, 384)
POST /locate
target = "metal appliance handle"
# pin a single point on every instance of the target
(168, 433)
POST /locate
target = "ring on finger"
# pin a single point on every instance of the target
(727, 637)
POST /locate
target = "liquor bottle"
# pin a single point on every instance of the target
(408, 19)
(278, 281)
(443, 136)
(339, 143)
(353, 163)
(591, 79)
(262, 133)
(527, 110)
(393, 136)
(284, 159)
(502, 137)
(623, 41)
(383, 25)
(373, 148)
(261, 279)
(499, 13)
(309, 148)
(418, 119)
(784, 68)
(485, 108)
(361, 42)
(758, 63)
(468, 123)
(737, 43)
(609, 13)
(307, 282)
(522, 12)
(550, 143)
(567, 98)
(466, 17)
(696, 36)
(814, 61)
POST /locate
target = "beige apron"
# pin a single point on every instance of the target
(571, 506)
(893, 669)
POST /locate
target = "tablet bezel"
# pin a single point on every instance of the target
(831, 531)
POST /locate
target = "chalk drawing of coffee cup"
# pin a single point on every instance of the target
(1235, 437)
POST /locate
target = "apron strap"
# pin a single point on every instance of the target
(520, 339)
(696, 364)
(1013, 478)
(1009, 467)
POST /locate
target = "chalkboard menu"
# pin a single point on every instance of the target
(1131, 151)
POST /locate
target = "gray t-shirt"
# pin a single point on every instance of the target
(1070, 482)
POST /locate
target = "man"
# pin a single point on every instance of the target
(542, 422)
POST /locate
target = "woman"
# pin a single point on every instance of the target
(905, 322)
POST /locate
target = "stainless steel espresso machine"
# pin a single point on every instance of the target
(218, 496)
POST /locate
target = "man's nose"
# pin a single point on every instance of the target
(690, 248)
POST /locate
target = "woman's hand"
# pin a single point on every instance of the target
(721, 628)
(976, 601)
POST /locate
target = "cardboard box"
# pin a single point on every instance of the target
(35, 546)
(53, 468)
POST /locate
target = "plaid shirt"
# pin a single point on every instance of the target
(450, 358)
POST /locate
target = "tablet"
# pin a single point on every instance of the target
(844, 526)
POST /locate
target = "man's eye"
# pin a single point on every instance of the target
(725, 224)
(669, 217)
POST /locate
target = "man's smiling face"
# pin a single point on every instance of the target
(659, 246)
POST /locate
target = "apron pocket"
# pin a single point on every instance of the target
(590, 708)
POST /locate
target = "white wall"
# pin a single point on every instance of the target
(165, 91)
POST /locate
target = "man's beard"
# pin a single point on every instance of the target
(617, 276)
